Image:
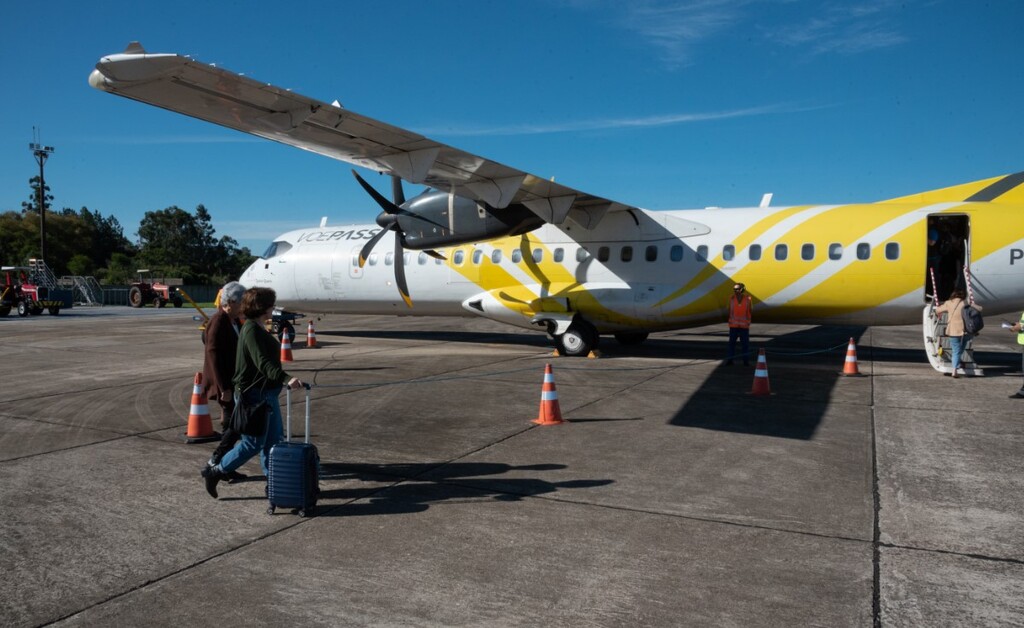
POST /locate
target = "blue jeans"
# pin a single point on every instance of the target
(956, 347)
(743, 334)
(249, 446)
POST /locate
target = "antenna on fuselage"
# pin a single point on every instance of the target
(766, 200)
(323, 222)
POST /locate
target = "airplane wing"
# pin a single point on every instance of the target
(203, 91)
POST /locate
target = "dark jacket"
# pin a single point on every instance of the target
(258, 361)
(219, 357)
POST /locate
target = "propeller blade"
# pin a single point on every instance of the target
(403, 287)
(385, 204)
(435, 255)
(365, 252)
(397, 193)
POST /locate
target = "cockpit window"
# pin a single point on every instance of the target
(275, 249)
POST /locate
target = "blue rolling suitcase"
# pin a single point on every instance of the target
(294, 470)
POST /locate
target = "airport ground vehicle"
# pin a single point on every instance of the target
(21, 291)
(149, 290)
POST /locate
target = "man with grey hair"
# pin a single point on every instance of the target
(219, 363)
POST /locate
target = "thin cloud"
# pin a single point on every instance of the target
(846, 29)
(607, 124)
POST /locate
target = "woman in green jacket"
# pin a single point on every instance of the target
(258, 376)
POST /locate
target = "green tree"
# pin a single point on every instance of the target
(173, 238)
(32, 205)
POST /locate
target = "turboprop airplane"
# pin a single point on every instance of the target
(486, 239)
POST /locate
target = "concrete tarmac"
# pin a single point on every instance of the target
(671, 497)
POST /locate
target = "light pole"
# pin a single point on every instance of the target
(41, 153)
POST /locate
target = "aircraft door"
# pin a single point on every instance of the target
(948, 251)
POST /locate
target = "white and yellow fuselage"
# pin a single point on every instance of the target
(642, 270)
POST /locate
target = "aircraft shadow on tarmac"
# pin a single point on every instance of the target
(809, 363)
(424, 484)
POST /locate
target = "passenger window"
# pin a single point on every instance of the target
(422, 259)
(517, 256)
(559, 255)
(702, 253)
(603, 253)
(407, 258)
(863, 251)
(438, 262)
(728, 252)
(582, 254)
(373, 259)
(626, 254)
(755, 252)
(676, 253)
(389, 258)
(835, 251)
(538, 255)
(355, 258)
(807, 252)
(478, 255)
(781, 252)
(651, 254)
(459, 257)
(496, 256)
(892, 251)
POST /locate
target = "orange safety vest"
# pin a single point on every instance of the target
(739, 312)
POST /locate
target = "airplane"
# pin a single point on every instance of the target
(485, 239)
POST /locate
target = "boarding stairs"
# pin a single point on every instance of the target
(40, 274)
(87, 290)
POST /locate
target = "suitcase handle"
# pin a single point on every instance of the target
(288, 412)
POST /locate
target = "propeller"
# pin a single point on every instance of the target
(389, 221)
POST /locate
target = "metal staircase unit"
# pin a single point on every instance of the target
(87, 290)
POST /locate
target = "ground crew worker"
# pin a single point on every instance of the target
(740, 311)
(1019, 328)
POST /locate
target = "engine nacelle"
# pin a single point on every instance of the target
(436, 219)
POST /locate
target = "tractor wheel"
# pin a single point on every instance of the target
(55, 310)
(158, 302)
(4, 310)
(22, 309)
(135, 297)
(177, 301)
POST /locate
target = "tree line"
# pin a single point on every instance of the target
(172, 242)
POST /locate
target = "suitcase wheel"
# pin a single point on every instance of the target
(307, 512)
(270, 509)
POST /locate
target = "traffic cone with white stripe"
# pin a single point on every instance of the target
(761, 376)
(200, 426)
(550, 413)
(850, 366)
(286, 347)
(310, 337)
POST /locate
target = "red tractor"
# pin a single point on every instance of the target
(147, 290)
(21, 291)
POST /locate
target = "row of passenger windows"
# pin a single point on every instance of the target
(780, 252)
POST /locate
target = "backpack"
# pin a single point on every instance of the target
(972, 320)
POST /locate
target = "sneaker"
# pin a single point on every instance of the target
(955, 376)
(1017, 395)
(212, 476)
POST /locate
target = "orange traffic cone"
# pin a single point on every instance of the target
(850, 367)
(550, 413)
(761, 376)
(286, 347)
(310, 337)
(200, 426)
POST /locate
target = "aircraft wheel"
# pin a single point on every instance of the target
(579, 339)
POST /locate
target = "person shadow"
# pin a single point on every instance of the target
(403, 488)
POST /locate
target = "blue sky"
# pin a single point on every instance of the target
(664, 105)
